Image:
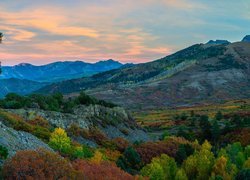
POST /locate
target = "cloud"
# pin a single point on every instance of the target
(129, 31)
(49, 20)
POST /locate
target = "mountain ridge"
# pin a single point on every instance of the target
(57, 71)
(213, 73)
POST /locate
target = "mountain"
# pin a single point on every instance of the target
(195, 75)
(246, 38)
(19, 86)
(57, 71)
(218, 42)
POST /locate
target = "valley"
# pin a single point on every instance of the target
(184, 116)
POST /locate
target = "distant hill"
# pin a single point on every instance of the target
(18, 86)
(57, 71)
(197, 74)
(246, 38)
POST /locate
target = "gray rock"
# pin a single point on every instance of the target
(18, 140)
(112, 121)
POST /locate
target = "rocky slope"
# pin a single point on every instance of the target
(201, 73)
(17, 140)
(111, 121)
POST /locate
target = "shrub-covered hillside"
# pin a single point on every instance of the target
(54, 102)
(197, 143)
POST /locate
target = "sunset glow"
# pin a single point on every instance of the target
(128, 31)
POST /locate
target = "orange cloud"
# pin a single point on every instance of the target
(50, 20)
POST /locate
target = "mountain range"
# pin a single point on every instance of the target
(202, 73)
(57, 71)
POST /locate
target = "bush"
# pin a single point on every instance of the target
(169, 146)
(104, 170)
(3, 152)
(60, 141)
(36, 127)
(121, 143)
(243, 175)
(39, 164)
(82, 152)
(130, 161)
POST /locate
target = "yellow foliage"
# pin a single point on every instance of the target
(112, 155)
(220, 168)
(206, 146)
(97, 158)
(247, 164)
(59, 140)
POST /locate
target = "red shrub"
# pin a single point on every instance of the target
(149, 150)
(121, 143)
(39, 164)
(105, 171)
(238, 135)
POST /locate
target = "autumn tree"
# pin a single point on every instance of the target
(97, 158)
(154, 171)
(181, 175)
(199, 165)
(163, 167)
(60, 141)
(220, 168)
(39, 164)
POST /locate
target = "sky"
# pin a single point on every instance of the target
(130, 31)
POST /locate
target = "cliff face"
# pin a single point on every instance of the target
(114, 122)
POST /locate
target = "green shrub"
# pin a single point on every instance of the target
(3, 152)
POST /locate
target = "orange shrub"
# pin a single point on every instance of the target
(104, 170)
(39, 121)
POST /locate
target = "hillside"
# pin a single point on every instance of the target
(19, 86)
(57, 71)
(83, 112)
(198, 74)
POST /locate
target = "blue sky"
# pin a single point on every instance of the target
(40, 32)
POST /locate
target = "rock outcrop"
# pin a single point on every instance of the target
(114, 122)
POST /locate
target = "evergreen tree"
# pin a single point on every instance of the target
(215, 131)
(130, 161)
(218, 116)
